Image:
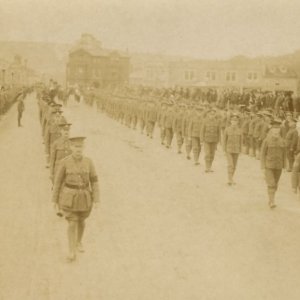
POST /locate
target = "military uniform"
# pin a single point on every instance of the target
(245, 130)
(291, 140)
(252, 147)
(210, 136)
(168, 125)
(160, 121)
(59, 150)
(177, 127)
(257, 135)
(151, 118)
(194, 133)
(185, 131)
(232, 146)
(296, 175)
(273, 160)
(76, 187)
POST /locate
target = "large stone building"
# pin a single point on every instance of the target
(17, 73)
(238, 73)
(90, 64)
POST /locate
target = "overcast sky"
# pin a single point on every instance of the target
(199, 28)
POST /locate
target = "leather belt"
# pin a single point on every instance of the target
(76, 187)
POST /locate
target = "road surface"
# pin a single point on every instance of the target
(165, 230)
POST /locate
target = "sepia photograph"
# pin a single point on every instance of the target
(150, 150)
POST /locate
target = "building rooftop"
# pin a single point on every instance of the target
(94, 47)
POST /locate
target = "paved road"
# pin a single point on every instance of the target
(164, 230)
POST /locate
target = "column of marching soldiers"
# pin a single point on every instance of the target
(74, 178)
(260, 134)
(195, 126)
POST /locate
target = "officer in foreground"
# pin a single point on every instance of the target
(75, 192)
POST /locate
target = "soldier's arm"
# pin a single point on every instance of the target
(58, 182)
(284, 157)
(219, 132)
(202, 131)
(263, 154)
(190, 129)
(225, 140)
(52, 158)
(295, 173)
(94, 183)
(174, 123)
(294, 141)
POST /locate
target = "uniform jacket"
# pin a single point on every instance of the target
(177, 122)
(257, 129)
(186, 123)
(168, 119)
(76, 173)
(264, 131)
(296, 173)
(151, 114)
(195, 126)
(273, 153)
(232, 139)
(59, 150)
(210, 131)
(245, 125)
(291, 139)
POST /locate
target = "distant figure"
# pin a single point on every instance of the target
(21, 108)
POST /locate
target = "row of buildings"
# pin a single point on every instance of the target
(16, 72)
(89, 63)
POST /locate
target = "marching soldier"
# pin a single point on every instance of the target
(142, 115)
(232, 146)
(296, 176)
(252, 123)
(291, 140)
(185, 130)
(266, 125)
(168, 124)
(52, 131)
(245, 130)
(210, 136)
(177, 127)
(257, 134)
(59, 149)
(194, 133)
(273, 159)
(21, 108)
(74, 193)
(151, 117)
(160, 120)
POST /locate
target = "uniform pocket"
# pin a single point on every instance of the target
(67, 198)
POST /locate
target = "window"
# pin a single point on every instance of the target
(186, 75)
(227, 76)
(189, 75)
(252, 76)
(230, 76)
(211, 75)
